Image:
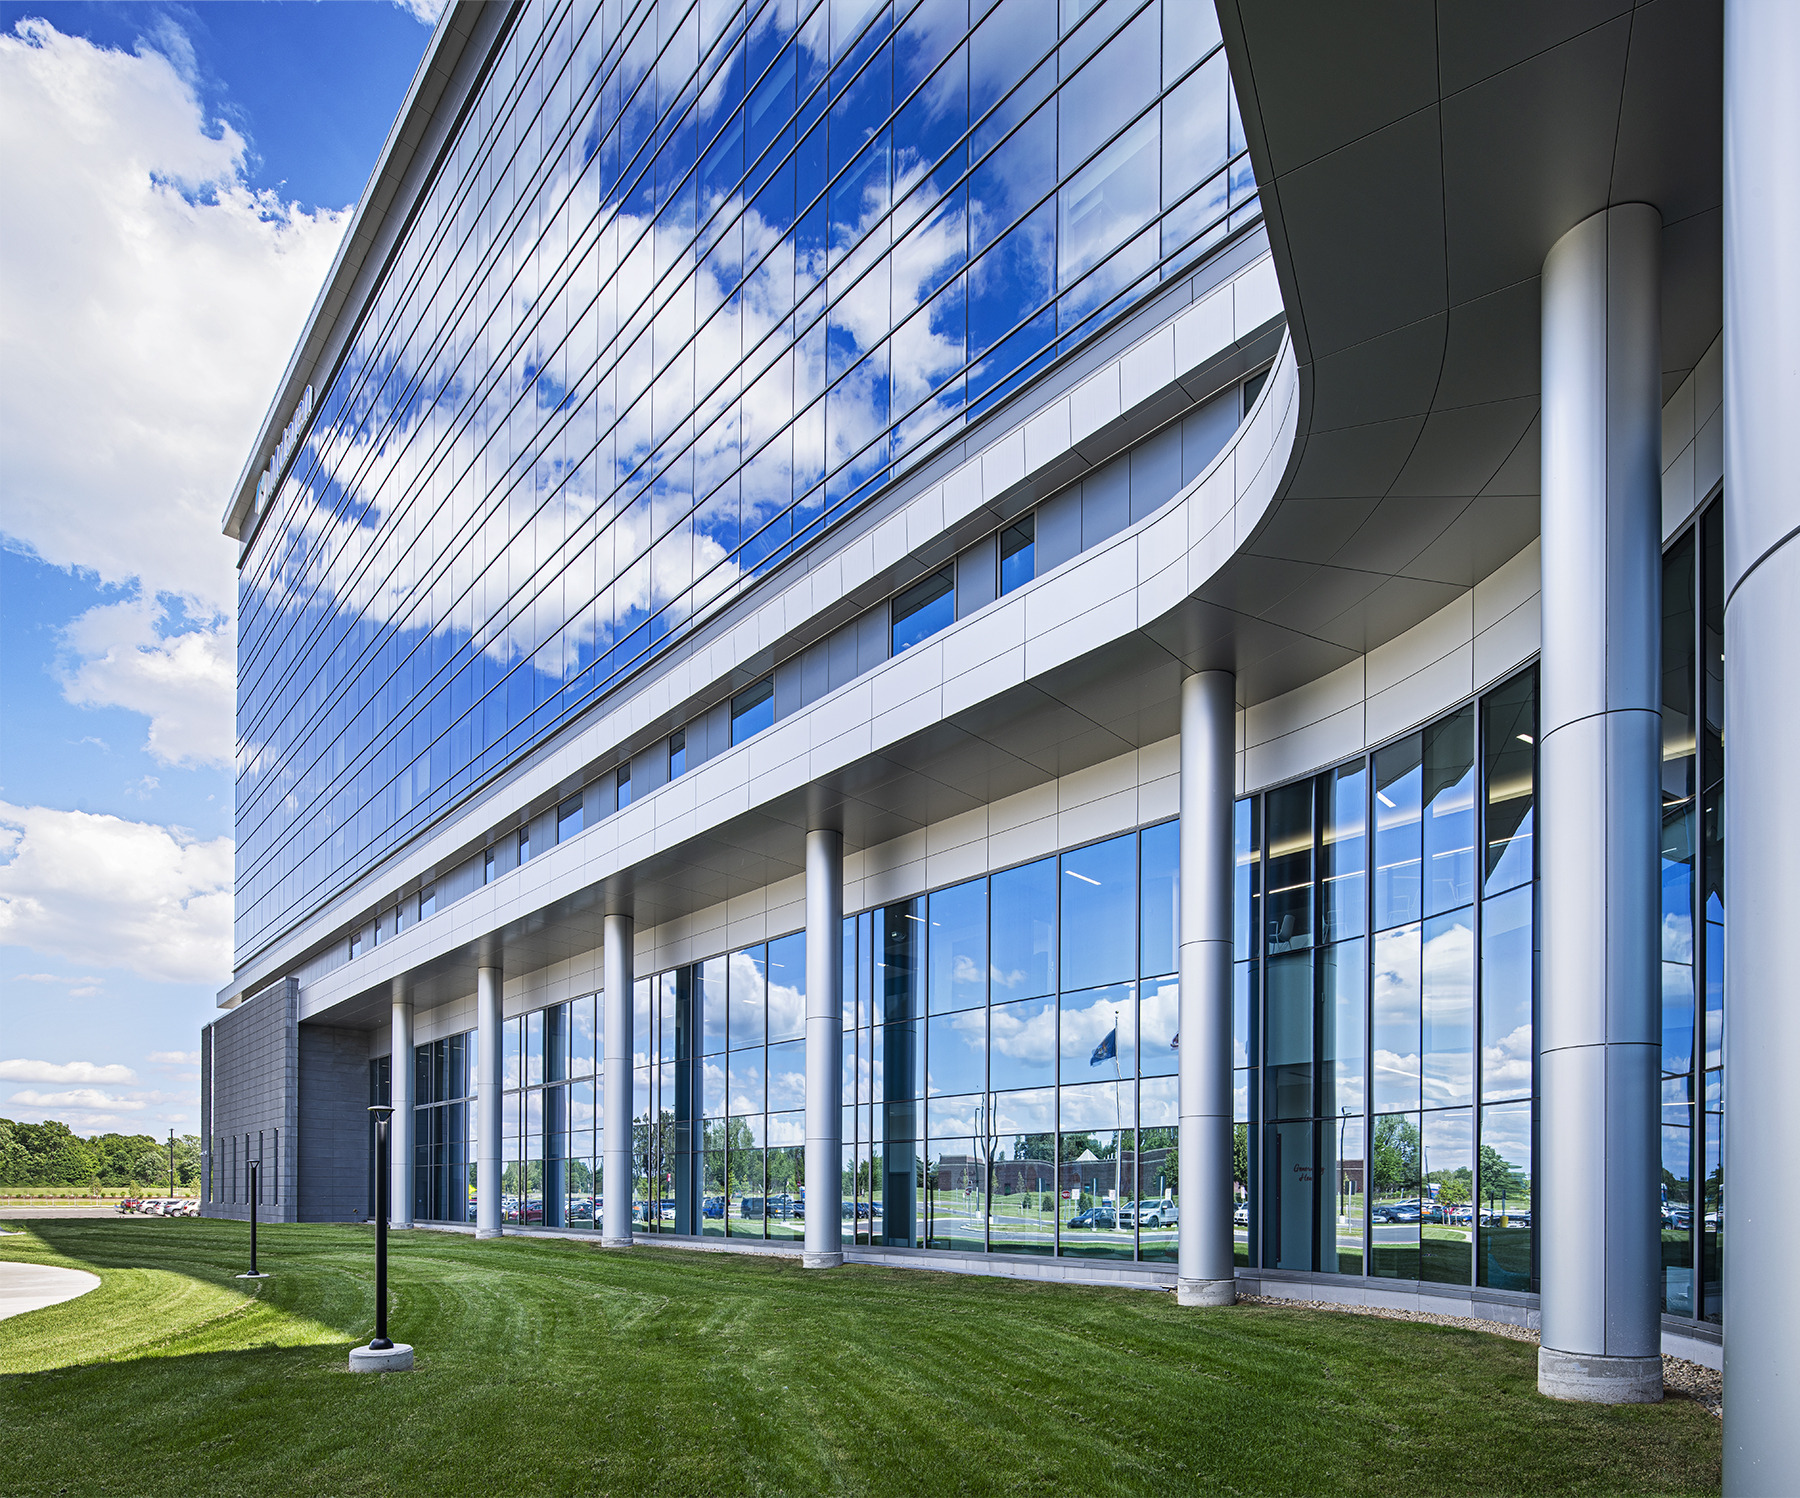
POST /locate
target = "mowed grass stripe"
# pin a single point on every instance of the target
(547, 1366)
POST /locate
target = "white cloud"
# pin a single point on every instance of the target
(68, 1071)
(426, 11)
(100, 889)
(149, 299)
(183, 683)
(175, 1058)
(76, 1097)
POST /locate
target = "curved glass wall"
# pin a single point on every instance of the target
(690, 282)
(1010, 1042)
(1385, 981)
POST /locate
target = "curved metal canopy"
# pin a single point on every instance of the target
(1416, 162)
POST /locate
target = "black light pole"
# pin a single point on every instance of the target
(382, 1112)
(255, 1172)
(172, 1165)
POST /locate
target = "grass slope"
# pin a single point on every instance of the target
(551, 1367)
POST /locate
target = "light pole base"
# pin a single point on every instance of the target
(1206, 1292)
(825, 1260)
(1590, 1378)
(624, 1242)
(487, 1232)
(258, 1275)
(395, 1359)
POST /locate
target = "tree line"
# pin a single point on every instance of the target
(53, 1154)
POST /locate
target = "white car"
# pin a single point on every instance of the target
(1158, 1214)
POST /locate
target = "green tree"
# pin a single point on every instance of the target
(13, 1159)
(1240, 1155)
(1497, 1177)
(1395, 1155)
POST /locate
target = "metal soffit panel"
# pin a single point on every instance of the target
(1416, 161)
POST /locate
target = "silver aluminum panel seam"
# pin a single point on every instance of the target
(824, 1246)
(400, 1094)
(490, 1080)
(1600, 745)
(1762, 730)
(1205, 1249)
(618, 935)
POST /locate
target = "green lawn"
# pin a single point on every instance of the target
(553, 1367)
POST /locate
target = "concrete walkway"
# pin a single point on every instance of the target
(29, 1287)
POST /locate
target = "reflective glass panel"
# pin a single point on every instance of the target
(1288, 1017)
(1159, 1026)
(1399, 896)
(1160, 899)
(1023, 1044)
(1395, 1209)
(1098, 1033)
(1246, 905)
(1449, 811)
(958, 919)
(1509, 760)
(1506, 989)
(1447, 1001)
(1343, 1003)
(1289, 869)
(748, 985)
(1504, 1188)
(1447, 1233)
(1024, 931)
(1342, 1224)
(1394, 1037)
(1099, 913)
(1343, 851)
(787, 987)
(956, 1052)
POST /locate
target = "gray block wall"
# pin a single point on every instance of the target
(249, 1106)
(294, 1097)
(333, 1111)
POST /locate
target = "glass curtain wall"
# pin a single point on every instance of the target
(1691, 1207)
(750, 1063)
(693, 281)
(1384, 980)
(550, 1147)
(443, 1183)
(1010, 1058)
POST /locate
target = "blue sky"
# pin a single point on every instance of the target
(178, 179)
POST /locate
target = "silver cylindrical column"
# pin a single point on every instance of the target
(1599, 747)
(615, 1081)
(1206, 1270)
(1762, 730)
(824, 1048)
(488, 1083)
(400, 1094)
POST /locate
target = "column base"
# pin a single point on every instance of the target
(625, 1242)
(833, 1259)
(1591, 1378)
(395, 1359)
(487, 1232)
(1206, 1292)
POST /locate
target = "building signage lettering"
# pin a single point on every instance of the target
(284, 449)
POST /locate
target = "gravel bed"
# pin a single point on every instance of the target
(1701, 1384)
